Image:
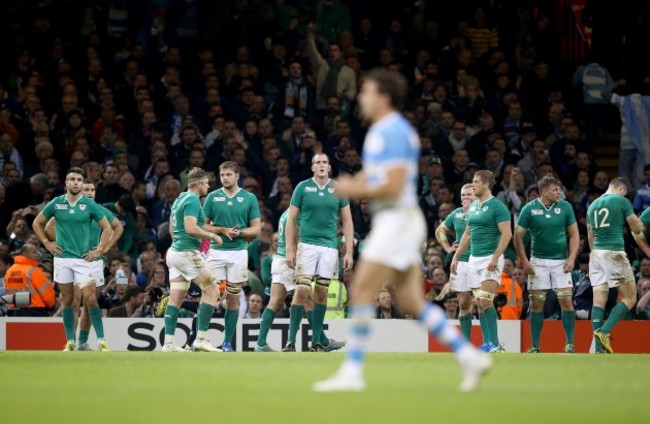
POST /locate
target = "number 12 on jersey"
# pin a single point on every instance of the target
(603, 214)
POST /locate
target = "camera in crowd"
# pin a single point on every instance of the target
(155, 295)
(15, 300)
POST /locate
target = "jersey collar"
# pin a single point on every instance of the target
(480, 205)
(234, 194)
(318, 185)
(70, 203)
(544, 206)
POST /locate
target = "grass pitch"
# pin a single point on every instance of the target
(146, 387)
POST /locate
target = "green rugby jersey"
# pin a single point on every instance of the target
(607, 216)
(187, 204)
(483, 220)
(457, 221)
(319, 212)
(224, 211)
(73, 224)
(547, 228)
(282, 237)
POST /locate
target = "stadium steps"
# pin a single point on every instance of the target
(606, 151)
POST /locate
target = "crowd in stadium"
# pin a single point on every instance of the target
(138, 93)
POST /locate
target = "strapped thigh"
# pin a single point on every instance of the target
(323, 282)
(482, 294)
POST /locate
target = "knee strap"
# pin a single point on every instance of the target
(601, 288)
(179, 285)
(303, 281)
(323, 282)
(233, 289)
(540, 297)
(563, 293)
(483, 294)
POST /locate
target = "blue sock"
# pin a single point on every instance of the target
(436, 322)
(358, 339)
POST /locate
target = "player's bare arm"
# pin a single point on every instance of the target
(357, 187)
(590, 237)
(50, 229)
(292, 238)
(574, 245)
(192, 228)
(638, 232)
(504, 239)
(462, 247)
(39, 229)
(441, 235)
(102, 248)
(520, 233)
(254, 229)
(348, 231)
(231, 233)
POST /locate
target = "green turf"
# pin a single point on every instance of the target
(139, 387)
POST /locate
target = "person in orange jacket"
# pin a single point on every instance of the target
(26, 276)
(512, 291)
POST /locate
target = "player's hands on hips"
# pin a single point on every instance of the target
(93, 255)
(290, 259)
(568, 266)
(348, 262)
(454, 265)
(217, 239)
(492, 266)
(528, 268)
(53, 248)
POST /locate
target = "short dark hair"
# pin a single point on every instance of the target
(132, 292)
(89, 181)
(75, 170)
(390, 84)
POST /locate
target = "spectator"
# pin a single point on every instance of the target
(132, 300)
(642, 195)
(333, 77)
(254, 306)
(146, 264)
(26, 276)
(8, 153)
(161, 210)
(159, 277)
(385, 307)
(481, 35)
(109, 189)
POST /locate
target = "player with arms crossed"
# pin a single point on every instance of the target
(88, 189)
(488, 231)
(187, 228)
(237, 214)
(608, 263)
(392, 252)
(282, 283)
(316, 254)
(456, 222)
(75, 251)
(549, 220)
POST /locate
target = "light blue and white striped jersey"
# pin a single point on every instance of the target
(391, 142)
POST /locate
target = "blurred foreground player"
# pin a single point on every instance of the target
(392, 251)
